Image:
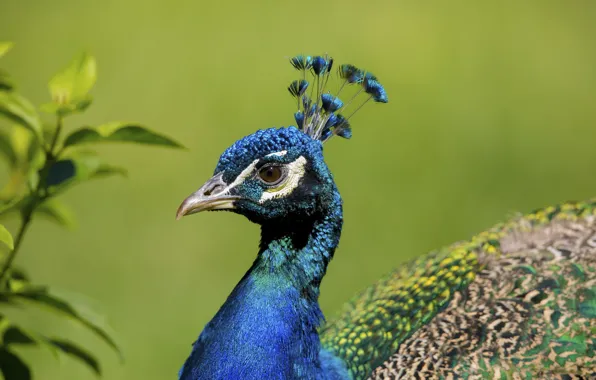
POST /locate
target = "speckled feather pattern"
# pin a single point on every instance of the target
(515, 302)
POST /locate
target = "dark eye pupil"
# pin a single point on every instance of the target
(270, 174)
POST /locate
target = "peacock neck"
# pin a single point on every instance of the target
(300, 250)
(267, 328)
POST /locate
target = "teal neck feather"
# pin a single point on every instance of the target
(267, 328)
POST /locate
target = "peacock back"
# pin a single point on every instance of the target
(517, 301)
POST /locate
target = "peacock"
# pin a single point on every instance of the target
(517, 301)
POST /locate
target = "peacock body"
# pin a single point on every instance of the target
(515, 302)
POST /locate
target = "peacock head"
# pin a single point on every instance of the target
(277, 173)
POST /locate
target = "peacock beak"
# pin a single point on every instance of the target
(213, 195)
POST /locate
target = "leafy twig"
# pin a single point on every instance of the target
(36, 201)
(65, 165)
(20, 234)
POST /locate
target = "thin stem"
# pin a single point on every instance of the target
(13, 254)
(360, 106)
(341, 88)
(352, 99)
(57, 134)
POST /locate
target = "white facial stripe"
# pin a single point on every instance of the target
(241, 177)
(280, 154)
(295, 173)
(248, 171)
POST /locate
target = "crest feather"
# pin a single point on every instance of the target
(317, 113)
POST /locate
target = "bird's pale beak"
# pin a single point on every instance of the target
(213, 195)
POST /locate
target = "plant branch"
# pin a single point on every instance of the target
(56, 134)
(22, 230)
(37, 199)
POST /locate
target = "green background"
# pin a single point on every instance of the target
(492, 109)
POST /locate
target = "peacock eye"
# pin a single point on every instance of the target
(271, 174)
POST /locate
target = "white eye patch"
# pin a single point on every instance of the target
(243, 175)
(294, 175)
(295, 172)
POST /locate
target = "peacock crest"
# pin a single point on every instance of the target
(318, 113)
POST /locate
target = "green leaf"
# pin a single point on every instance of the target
(35, 157)
(73, 83)
(78, 166)
(105, 170)
(57, 212)
(17, 280)
(6, 237)
(12, 190)
(12, 367)
(26, 158)
(78, 353)
(6, 84)
(75, 167)
(16, 204)
(119, 132)
(15, 178)
(60, 172)
(19, 274)
(42, 297)
(33, 180)
(19, 110)
(11, 334)
(5, 47)
(67, 109)
(6, 149)
(14, 335)
(24, 145)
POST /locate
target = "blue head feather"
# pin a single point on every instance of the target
(374, 89)
(301, 62)
(331, 103)
(261, 143)
(299, 117)
(317, 112)
(298, 87)
(350, 73)
(369, 75)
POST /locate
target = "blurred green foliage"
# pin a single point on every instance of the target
(491, 111)
(43, 164)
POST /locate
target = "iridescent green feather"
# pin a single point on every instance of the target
(517, 301)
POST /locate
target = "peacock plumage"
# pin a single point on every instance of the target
(517, 301)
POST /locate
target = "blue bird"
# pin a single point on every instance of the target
(515, 301)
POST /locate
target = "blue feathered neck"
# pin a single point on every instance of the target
(267, 328)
